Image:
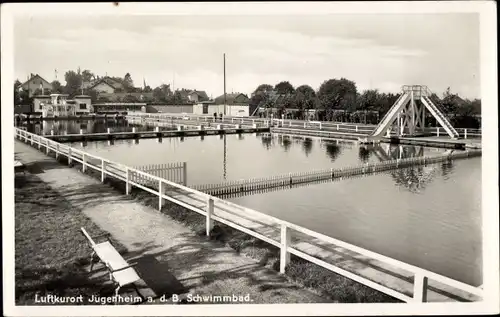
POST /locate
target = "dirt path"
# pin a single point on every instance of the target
(171, 258)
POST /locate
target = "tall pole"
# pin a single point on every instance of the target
(224, 84)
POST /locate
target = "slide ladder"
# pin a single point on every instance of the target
(390, 116)
(440, 117)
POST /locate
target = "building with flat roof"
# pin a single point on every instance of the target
(58, 106)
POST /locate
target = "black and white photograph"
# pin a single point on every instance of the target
(177, 159)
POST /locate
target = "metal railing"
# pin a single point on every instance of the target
(283, 228)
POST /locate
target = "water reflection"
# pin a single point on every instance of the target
(364, 154)
(332, 150)
(87, 126)
(414, 178)
(307, 145)
(224, 173)
(286, 143)
(267, 140)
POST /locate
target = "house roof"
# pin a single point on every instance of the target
(35, 77)
(232, 98)
(108, 81)
(200, 93)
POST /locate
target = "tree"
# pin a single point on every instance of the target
(284, 87)
(161, 93)
(128, 83)
(130, 98)
(369, 100)
(87, 76)
(450, 102)
(337, 94)
(305, 98)
(93, 95)
(17, 92)
(73, 83)
(57, 88)
(306, 90)
(263, 88)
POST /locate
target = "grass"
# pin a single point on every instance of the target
(51, 256)
(309, 275)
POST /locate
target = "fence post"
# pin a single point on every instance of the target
(437, 131)
(285, 242)
(57, 151)
(420, 288)
(84, 162)
(69, 156)
(103, 169)
(81, 131)
(47, 147)
(109, 130)
(337, 127)
(465, 133)
(356, 128)
(161, 201)
(128, 187)
(184, 173)
(210, 211)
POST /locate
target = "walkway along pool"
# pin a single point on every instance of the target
(217, 210)
(406, 198)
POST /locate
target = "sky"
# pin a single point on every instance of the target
(376, 51)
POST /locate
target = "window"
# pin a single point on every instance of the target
(205, 109)
(83, 106)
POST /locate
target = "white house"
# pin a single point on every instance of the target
(39, 101)
(236, 105)
(83, 104)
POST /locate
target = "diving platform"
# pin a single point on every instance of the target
(406, 118)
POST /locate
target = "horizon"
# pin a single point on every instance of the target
(376, 51)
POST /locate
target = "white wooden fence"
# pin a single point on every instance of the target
(124, 173)
(303, 124)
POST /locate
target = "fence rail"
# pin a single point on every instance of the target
(304, 124)
(280, 236)
(257, 184)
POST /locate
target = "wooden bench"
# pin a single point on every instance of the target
(120, 272)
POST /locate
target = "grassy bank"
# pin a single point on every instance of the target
(51, 256)
(309, 275)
